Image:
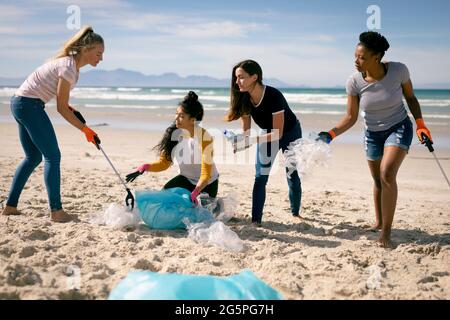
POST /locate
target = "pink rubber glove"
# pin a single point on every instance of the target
(194, 195)
(143, 167)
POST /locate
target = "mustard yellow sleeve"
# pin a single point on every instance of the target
(207, 158)
(160, 165)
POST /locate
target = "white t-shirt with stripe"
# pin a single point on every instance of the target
(43, 82)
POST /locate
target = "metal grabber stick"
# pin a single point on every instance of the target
(429, 143)
(129, 200)
(129, 197)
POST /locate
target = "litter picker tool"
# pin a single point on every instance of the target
(129, 200)
(429, 143)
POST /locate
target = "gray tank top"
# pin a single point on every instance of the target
(381, 102)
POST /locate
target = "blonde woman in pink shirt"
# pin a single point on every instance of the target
(54, 79)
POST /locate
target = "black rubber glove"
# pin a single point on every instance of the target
(324, 136)
(132, 176)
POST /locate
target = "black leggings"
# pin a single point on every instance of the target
(183, 182)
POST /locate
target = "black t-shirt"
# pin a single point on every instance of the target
(272, 102)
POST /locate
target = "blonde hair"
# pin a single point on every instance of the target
(85, 38)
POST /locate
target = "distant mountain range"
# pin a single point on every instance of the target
(127, 78)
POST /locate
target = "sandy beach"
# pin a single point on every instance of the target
(327, 255)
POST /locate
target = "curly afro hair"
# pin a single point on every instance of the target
(374, 41)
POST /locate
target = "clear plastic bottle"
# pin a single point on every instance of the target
(230, 135)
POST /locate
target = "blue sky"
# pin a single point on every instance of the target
(300, 42)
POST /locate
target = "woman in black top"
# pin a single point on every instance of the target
(250, 98)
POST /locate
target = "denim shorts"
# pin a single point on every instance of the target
(399, 135)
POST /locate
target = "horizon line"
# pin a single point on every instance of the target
(423, 86)
(417, 87)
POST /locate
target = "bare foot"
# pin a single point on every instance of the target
(375, 227)
(60, 216)
(10, 211)
(384, 240)
(297, 217)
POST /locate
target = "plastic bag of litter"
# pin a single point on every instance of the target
(222, 208)
(117, 216)
(214, 233)
(305, 153)
(374, 280)
(165, 209)
(147, 285)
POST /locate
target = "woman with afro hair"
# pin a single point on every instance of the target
(377, 88)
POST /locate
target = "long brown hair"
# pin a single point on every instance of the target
(85, 38)
(240, 101)
(194, 109)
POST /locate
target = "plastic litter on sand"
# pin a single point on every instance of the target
(374, 280)
(304, 154)
(117, 216)
(214, 233)
(223, 208)
(206, 226)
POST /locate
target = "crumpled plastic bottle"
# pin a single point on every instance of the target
(117, 216)
(306, 153)
(214, 233)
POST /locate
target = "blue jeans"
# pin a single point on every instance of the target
(399, 135)
(38, 139)
(265, 156)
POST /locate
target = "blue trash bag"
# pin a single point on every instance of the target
(165, 209)
(147, 285)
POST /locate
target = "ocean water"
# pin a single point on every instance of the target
(435, 104)
(326, 102)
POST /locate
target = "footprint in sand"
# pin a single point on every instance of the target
(74, 295)
(19, 275)
(133, 237)
(431, 249)
(158, 242)
(440, 274)
(9, 296)
(71, 195)
(7, 251)
(144, 264)
(169, 269)
(27, 251)
(428, 279)
(36, 235)
(103, 272)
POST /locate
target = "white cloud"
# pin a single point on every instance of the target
(214, 29)
(11, 12)
(9, 30)
(425, 66)
(178, 26)
(30, 29)
(310, 64)
(88, 4)
(207, 43)
(324, 38)
(135, 21)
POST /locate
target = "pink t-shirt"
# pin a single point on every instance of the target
(43, 82)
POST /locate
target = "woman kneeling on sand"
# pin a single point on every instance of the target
(377, 88)
(192, 148)
(53, 79)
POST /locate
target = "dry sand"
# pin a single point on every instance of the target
(328, 255)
